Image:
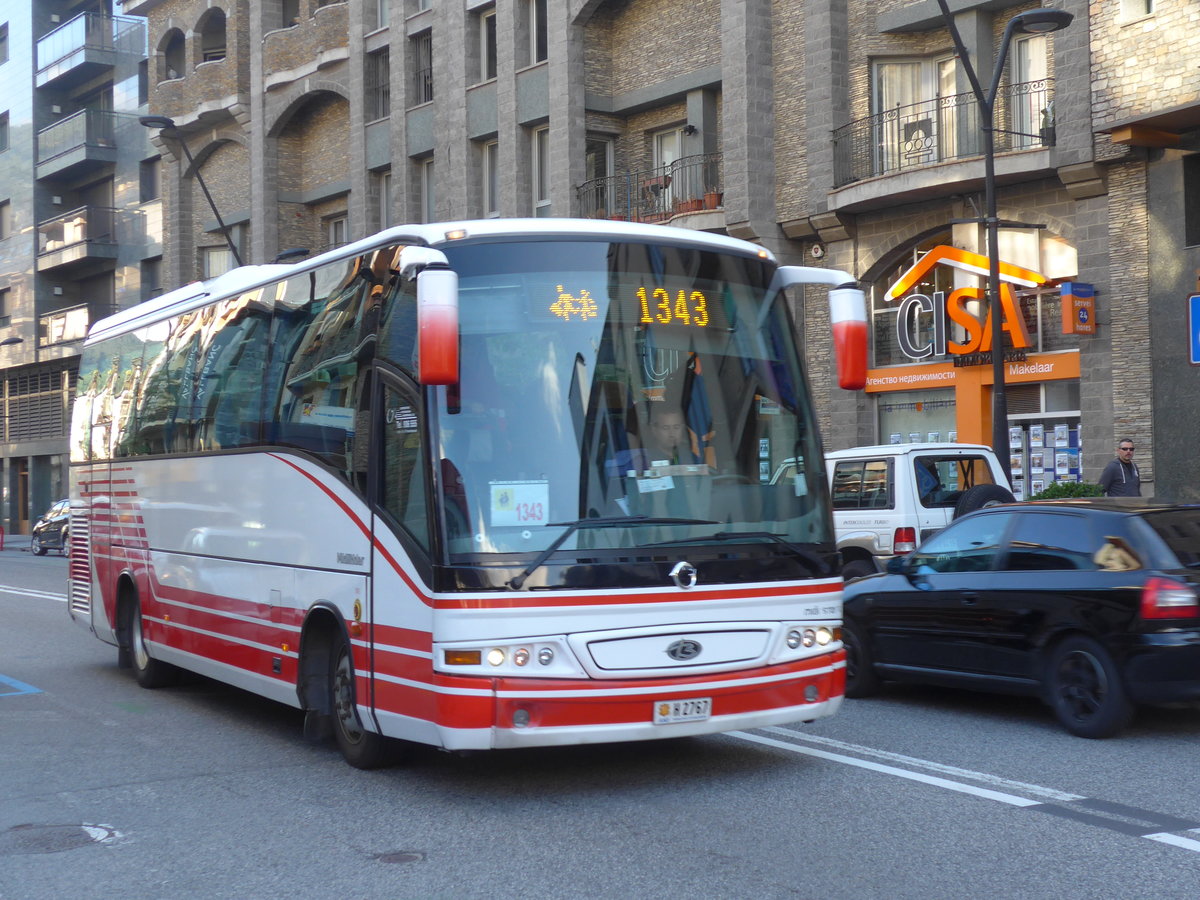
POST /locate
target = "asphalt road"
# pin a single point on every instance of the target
(108, 790)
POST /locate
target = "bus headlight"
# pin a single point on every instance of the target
(545, 656)
(793, 639)
(495, 656)
(520, 656)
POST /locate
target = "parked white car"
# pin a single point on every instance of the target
(888, 498)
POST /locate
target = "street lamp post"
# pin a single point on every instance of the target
(162, 123)
(1034, 21)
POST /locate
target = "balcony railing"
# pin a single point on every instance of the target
(86, 128)
(940, 130)
(89, 37)
(689, 184)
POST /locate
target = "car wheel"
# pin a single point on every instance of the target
(1085, 689)
(150, 672)
(361, 748)
(66, 543)
(857, 568)
(35, 547)
(861, 679)
(981, 496)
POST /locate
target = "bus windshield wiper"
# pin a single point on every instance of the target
(518, 582)
(721, 536)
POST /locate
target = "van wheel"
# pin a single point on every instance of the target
(150, 672)
(1085, 690)
(861, 679)
(981, 496)
(857, 568)
(361, 748)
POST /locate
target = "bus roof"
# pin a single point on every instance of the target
(438, 234)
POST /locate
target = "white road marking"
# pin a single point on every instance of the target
(983, 777)
(1053, 796)
(986, 793)
(29, 592)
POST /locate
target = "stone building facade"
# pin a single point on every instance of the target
(838, 133)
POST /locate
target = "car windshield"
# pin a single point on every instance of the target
(655, 387)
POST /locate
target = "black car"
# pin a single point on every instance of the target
(51, 531)
(1092, 605)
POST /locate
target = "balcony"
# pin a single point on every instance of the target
(70, 145)
(84, 47)
(86, 233)
(941, 130)
(690, 184)
(69, 324)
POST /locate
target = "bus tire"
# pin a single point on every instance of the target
(361, 748)
(150, 672)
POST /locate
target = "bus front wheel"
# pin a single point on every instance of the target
(362, 749)
(150, 672)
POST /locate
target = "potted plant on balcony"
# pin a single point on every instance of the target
(712, 199)
(1047, 129)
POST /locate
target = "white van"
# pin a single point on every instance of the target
(888, 498)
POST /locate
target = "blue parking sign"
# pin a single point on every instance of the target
(1194, 328)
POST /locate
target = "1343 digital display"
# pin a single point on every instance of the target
(679, 308)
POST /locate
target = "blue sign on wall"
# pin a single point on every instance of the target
(1194, 328)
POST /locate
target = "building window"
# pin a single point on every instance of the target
(5, 313)
(4, 43)
(6, 223)
(535, 25)
(428, 196)
(383, 195)
(912, 126)
(597, 170)
(1135, 9)
(151, 277)
(378, 85)
(3, 131)
(289, 13)
(541, 172)
(174, 50)
(1191, 200)
(422, 68)
(212, 36)
(491, 178)
(215, 261)
(150, 178)
(336, 231)
(382, 13)
(1031, 109)
(487, 44)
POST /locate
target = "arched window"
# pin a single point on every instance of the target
(173, 54)
(212, 36)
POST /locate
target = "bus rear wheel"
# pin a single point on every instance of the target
(361, 748)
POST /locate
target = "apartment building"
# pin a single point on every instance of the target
(838, 133)
(79, 221)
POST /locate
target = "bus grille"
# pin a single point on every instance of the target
(79, 578)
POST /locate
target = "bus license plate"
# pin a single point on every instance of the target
(667, 712)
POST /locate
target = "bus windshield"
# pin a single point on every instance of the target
(654, 386)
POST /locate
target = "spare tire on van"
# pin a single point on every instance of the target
(980, 496)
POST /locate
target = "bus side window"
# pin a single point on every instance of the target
(315, 403)
(402, 465)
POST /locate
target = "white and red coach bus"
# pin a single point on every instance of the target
(410, 487)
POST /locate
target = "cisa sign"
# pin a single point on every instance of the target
(917, 311)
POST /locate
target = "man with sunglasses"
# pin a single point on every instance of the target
(1120, 477)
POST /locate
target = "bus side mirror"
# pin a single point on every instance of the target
(848, 314)
(437, 313)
